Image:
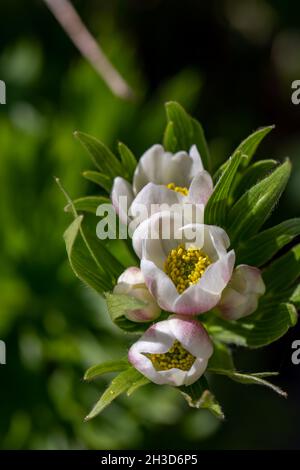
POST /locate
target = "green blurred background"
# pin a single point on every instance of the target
(231, 64)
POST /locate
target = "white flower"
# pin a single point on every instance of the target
(186, 267)
(240, 298)
(162, 178)
(173, 351)
(131, 282)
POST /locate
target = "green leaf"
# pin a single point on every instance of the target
(136, 385)
(118, 305)
(99, 178)
(270, 322)
(249, 145)
(295, 297)
(183, 132)
(112, 366)
(198, 395)
(128, 160)
(82, 259)
(169, 140)
(283, 271)
(87, 204)
(251, 211)
(253, 175)
(262, 247)
(119, 385)
(101, 156)
(255, 379)
(221, 358)
(217, 206)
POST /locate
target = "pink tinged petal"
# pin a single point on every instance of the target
(160, 167)
(197, 162)
(241, 297)
(132, 275)
(192, 335)
(159, 284)
(206, 293)
(201, 188)
(159, 338)
(121, 197)
(248, 279)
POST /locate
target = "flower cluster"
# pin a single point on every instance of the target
(199, 272)
(179, 274)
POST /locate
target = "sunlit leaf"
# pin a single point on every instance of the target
(99, 178)
(119, 384)
(111, 366)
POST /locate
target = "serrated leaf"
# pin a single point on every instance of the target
(101, 155)
(111, 366)
(128, 160)
(99, 178)
(217, 206)
(119, 385)
(255, 379)
(262, 247)
(118, 305)
(253, 175)
(283, 271)
(198, 396)
(251, 211)
(185, 132)
(87, 204)
(221, 358)
(269, 323)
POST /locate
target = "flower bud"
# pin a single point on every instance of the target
(240, 297)
(131, 282)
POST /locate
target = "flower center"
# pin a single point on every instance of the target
(178, 189)
(185, 266)
(177, 357)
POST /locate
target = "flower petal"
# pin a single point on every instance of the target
(121, 197)
(201, 188)
(192, 335)
(160, 167)
(132, 275)
(160, 285)
(206, 293)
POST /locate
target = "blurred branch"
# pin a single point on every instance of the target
(71, 22)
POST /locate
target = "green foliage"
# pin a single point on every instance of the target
(216, 208)
(111, 366)
(248, 379)
(118, 305)
(198, 396)
(251, 211)
(183, 131)
(261, 248)
(124, 381)
(270, 322)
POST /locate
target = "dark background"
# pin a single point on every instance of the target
(231, 64)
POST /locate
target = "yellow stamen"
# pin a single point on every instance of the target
(178, 189)
(186, 266)
(176, 357)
